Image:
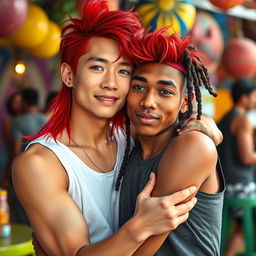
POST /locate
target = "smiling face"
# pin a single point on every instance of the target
(155, 98)
(101, 82)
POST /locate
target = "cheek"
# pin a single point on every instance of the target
(133, 100)
(170, 110)
(125, 86)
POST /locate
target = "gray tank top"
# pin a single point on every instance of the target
(199, 235)
(234, 170)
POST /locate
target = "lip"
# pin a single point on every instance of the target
(147, 118)
(108, 100)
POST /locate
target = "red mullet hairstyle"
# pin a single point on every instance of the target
(97, 20)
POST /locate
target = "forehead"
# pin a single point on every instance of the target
(156, 71)
(104, 48)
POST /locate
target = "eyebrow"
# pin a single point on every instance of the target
(161, 82)
(94, 58)
(164, 82)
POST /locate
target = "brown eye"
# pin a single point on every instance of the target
(138, 87)
(166, 92)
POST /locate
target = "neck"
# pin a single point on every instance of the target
(240, 107)
(32, 109)
(153, 145)
(87, 130)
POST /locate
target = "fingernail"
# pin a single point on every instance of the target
(151, 175)
(194, 199)
(193, 189)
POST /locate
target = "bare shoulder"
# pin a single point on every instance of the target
(36, 163)
(195, 141)
(241, 122)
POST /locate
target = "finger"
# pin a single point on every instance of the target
(179, 220)
(150, 185)
(180, 196)
(183, 208)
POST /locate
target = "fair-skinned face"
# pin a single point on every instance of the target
(101, 83)
(155, 98)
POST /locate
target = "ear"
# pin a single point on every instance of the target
(66, 74)
(184, 103)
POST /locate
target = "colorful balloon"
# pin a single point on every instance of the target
(34, 29)
(226, 4)
(13, 14)
(50, 45)
(207, 37)
(239, 58)
(158, 13)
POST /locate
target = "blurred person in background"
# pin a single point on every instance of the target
(237, 153)
(27, 124)
(14, 109)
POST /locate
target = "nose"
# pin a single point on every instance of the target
(109, 82)
(149, 101)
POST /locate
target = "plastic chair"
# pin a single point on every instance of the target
(247, 205)
(19, 243)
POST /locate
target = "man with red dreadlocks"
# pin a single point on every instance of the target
(167, 74)
(66, 178)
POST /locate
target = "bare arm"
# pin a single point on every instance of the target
(190, 155)
(60, 226)
(243, 131)
(41, 186)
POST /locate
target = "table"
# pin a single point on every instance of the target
(19, 243)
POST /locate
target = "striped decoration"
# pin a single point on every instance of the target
(158, 13)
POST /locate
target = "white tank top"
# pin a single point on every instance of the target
(93, 192)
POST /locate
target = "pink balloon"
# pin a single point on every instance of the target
(12, 15)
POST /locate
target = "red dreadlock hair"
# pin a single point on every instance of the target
(97, 20)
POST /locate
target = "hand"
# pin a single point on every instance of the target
(39, 251)
(206, 125)
(159, 215)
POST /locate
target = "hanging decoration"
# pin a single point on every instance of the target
(158, 13)
(207, 37)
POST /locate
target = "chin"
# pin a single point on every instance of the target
(146, 132)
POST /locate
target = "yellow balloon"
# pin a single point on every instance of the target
(34, 29)
(50, 45)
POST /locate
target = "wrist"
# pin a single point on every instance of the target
(136, 230)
